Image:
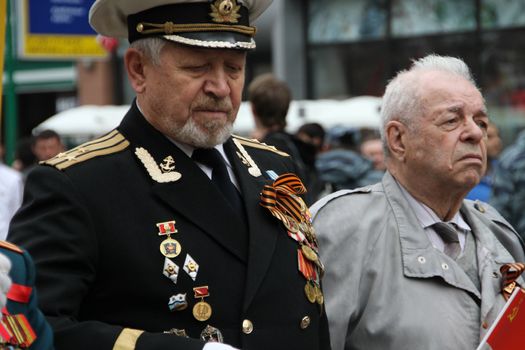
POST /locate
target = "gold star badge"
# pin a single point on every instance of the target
(225, 11)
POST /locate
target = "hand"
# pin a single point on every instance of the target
(5, 281)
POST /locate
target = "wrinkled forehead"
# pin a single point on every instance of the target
(440, 87)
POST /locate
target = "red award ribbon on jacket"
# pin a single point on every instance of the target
(15, 330)
(510, 273)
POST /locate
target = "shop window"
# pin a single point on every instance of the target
(346, 21)
(502, 14)
(417, 17)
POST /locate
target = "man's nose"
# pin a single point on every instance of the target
(217, 84)
(473, 132)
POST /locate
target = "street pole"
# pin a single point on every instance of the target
(11, 110)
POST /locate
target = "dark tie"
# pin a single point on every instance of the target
(220, 177)
(449, 235)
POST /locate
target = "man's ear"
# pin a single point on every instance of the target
(134, 61)
(396, 134)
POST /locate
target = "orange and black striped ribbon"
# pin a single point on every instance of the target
(510, 273)
(282, 197)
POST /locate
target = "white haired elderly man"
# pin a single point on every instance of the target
(409, 263)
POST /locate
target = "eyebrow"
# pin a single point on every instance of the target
(458, 107)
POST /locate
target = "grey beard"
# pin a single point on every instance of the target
(191, 134)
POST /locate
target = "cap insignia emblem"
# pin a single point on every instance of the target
(225, 11)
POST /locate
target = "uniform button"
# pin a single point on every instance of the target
(247, 326)
(444, 266)
(484, 325)
(305, 322)
(421, 259)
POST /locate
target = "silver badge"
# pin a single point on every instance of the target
(171, 270)
(191, 267)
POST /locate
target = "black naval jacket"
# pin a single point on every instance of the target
(90, 223)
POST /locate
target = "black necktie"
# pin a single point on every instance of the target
(449, 235)
(220, 177)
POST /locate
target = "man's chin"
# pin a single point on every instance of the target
(201, 137)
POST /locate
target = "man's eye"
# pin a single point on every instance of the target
(233, 69)
(197, 68)
(483, 124)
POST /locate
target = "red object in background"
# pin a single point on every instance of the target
(518, 98)
(109, 44)
(507, 330)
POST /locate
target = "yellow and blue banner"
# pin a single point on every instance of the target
(57, 29)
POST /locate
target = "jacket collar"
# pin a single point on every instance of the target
(419, 258)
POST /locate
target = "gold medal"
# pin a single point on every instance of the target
(170, 248)
(309, 253)
(202, 311)
(309, 290)
(319, 298)
(290, 224)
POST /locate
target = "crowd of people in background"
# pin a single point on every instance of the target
(29, 151)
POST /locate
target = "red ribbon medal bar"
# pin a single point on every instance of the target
(202, 310)
(169, 247)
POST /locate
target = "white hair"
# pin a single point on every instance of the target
(150, 47)
(401, 99)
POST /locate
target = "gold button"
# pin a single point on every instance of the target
(305, 322)
(247, 326)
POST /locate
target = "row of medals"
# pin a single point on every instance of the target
(202, 311)
(309, 263)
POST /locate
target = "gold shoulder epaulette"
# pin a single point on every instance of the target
(256, 144)
(10, 246)
(107, 144)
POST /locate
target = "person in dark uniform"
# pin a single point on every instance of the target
(23, 325)
(169, 232)
(270, 99)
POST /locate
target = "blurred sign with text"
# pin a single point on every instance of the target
(56, 29)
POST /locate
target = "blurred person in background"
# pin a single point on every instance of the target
(313, 133)
(494, 146)
(47, 144)
(11, 192)
(508, 184)
(342, 166)
(372, 149)
(25, 159)
(270, 99)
